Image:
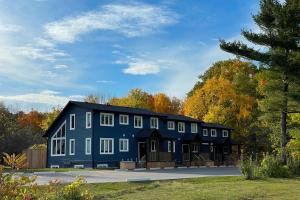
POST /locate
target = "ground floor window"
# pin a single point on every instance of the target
(88, 146)
(169, 146)
(106, 146)
(58, 141)
(72, 147)
(195, 148)
(153, 145)
(123, 145)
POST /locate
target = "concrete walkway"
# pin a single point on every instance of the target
(104, 176)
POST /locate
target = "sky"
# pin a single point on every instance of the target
(52, 51)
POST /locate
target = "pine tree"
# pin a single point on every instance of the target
(280, 36)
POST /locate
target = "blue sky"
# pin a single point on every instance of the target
(53, 51)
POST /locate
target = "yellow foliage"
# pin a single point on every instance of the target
(14, 161)
(161, 103)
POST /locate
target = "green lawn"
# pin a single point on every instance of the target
(200, 188)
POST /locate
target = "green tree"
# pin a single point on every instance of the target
(279, 34)
(50, 117)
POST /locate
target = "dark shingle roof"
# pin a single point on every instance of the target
(215, 125)
(146, 133)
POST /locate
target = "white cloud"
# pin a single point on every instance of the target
(141, 67)
(130, 20)
(61, 66)
(44, 43)
(9, 28)
(104, 81)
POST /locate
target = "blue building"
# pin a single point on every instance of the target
(96, 135)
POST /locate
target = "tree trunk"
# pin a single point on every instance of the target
(284, 112)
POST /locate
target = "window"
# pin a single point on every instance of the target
(169, 146)
(154, 122)
(123, 145)
(181, 127)
(58, 141)
(72, 122)
(138, 122)
(171, 125)
(106, 146)
(72, 147)
(225, 133)
(205, 132)
(153, 145)
(194, 128)
(124, 119)
(213, 133)
(194, 148)
(174, 145)
(106, 119)
(88, 146)
(88, 119)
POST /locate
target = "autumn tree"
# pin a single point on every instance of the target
(50, 117)
(161, 103)
(33, 119)
(92, 98)
(279, 35)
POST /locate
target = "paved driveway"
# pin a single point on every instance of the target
(103, 176)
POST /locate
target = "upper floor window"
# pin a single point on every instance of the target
(123, 145)
(205, 132)
(154, 122)
(194, 128)
(72, 122)
(88, 120)
(124, 119)
(72, 147)
(225, 133)
(106, 119)
(213, 133)
(171, 125)
(181, 127)
(106, 146)
(138, 122)
(58, 141)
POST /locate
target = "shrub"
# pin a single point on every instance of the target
(14, 161)
(293, 164)
(249, 169)
(271, 166)
(73, 191)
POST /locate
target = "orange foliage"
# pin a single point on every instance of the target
(33, 119)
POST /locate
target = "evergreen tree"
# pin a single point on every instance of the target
(280, 36)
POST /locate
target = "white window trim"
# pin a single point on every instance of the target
(171, 122)
(183, 131)
(113, 119)
(124, 139)
(196, 128)
(86, 150)
(123, 116)
(154, 149)
(54, 166)
(169, 146)
(88, 119)
(70, 147)
(136, 116)
(174, 146)
(157, 122)
(112, 148)
(225, 131)
(79, 166)
(206, 132)
(211, 132)
(54, 155)
(71, 115)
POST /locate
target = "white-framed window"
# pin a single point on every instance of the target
(153, 145)
(54, 166)
(181, 127)
(88, 146)
(213, 133)
(194, 148)
(171, 125)
(154, 122)
(194, 128)
(174, 146)
(106, 119)
(124, 119)
(58, 141)
(106, 146)
(205, 132)
(88, 119)
(225, 133)
(138, 122)
(72, 121)
(72, 147)
(169, 146)
(123, 145)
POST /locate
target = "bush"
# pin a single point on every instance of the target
(74, 192)
(271, 166)
(249, 169)
(293, 164)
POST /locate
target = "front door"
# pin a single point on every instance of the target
(142, 151)
(185, 152)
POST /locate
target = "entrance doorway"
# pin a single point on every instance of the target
(185, 152)
(142, 151)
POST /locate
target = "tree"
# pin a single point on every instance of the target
(161, 103)
(50, 117)
(33, 119)
(279, 34)
(92, 98)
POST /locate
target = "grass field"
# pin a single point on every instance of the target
(200, 188)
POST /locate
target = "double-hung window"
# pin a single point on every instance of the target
(106, 146)
(154, 122)
(194, 128)
(88, 146)
(123, 145)
(205, 132)
(106, 119)
(225, 133)
(58, 141)
(171, 125)
(213, 133)
(72, 122)
(181, 127)
(88, 119)
(124, 119)
(72, 147)
(138, 122)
